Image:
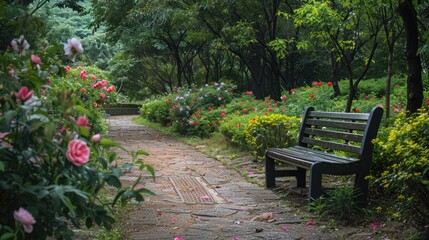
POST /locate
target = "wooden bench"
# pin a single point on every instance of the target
(320, 135)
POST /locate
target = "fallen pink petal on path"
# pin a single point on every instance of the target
(205, 198)
(285, 228)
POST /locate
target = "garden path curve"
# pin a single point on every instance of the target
(197, 197)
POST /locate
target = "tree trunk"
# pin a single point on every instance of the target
(257, 77)
(336, 65)
(414, 79)
(352, 94)
(388, 84)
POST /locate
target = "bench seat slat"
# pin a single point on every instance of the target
(336, 124)
(337, 115)
(306, 157)
(332, 145)
(334, 134)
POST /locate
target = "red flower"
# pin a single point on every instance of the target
(319, 84)
(292, 90)
(249, 93)
(83, 74)
(312, 95)
(110, 89)
(93, 77)
(102, 95)
(245, 110)
(329, 84)
(83, 90)
(283, 97)
(270, 109)
(23, 94)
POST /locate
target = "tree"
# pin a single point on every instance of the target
(348, 27)
(392, 32)
(408, 14)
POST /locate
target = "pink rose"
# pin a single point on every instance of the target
(83, 74)
(93, 77)
(103, 83)
(102, 95)
(77, 152)
(3, 134)
(68, 69)
(36, 59)
(83, 122)
(23, 94)
(96, 138)
(25, 218)
(111, 88)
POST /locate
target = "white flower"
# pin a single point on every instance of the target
(20, 45)
(72, 48)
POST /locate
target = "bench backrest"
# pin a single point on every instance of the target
(349, 132)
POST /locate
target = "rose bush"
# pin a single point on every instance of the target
(54, 158)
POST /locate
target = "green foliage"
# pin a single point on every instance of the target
(272, 130)
(55, 159)
(157, 110)
(340, 204)
(321, 97)
(233, 129)
(407, 177)
(377, 87)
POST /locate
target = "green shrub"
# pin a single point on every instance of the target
(320, 97)
(207, 102)
(341, 204)
(157, 110)
(272, 130)
(407, 177)
(233, 129)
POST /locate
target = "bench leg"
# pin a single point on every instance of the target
(270, 175)
(315, 184)
(362, 184)
(300, 177)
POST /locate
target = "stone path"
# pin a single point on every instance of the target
(197, 197)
